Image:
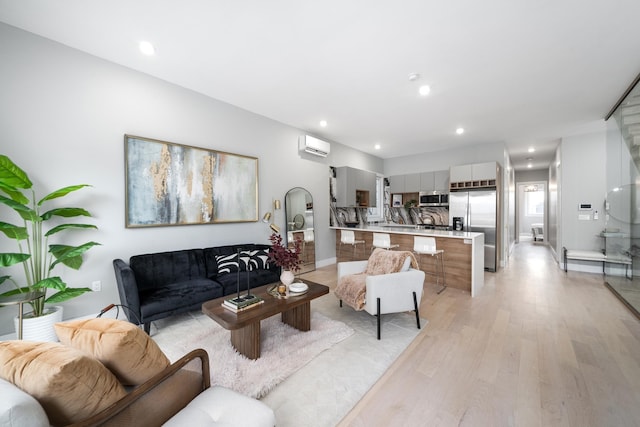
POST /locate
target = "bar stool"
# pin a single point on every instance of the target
(427, 246)
(348, 237)
(383, 241)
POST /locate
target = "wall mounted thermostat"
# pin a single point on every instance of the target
(584, 206)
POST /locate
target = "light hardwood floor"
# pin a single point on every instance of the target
(538, 347)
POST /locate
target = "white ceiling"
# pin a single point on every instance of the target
(525, 73)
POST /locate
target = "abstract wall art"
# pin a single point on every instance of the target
(174, 184)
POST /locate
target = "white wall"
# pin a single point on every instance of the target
(532, 175)
(582, 177)
(509, 210)
(440, 160)
(63, 115)
(553, 233)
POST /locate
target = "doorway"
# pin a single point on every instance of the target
(532, 205)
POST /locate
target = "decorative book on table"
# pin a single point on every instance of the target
(233, 305)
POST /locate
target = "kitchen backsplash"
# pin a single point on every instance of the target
(340, 217)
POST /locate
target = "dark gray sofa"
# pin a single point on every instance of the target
(158, 285)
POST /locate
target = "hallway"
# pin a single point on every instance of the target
(537, 347)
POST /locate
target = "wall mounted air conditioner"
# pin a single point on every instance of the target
(314, 146)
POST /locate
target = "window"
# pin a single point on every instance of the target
(534, 203)
(375, 214)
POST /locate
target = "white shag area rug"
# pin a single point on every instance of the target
(311, 385)
(284, 349)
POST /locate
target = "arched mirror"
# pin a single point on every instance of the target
(298, 206)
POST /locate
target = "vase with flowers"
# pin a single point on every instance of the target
(288, 259)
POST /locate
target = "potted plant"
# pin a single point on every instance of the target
(411, 204)
(287, 259)
(37, 256)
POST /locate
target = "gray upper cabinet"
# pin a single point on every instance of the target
(484, 170)
(441, 181)
(477, 175)
(416, 182)
(461, 173)
(396, 184)
(411, 183)
(355, 187)
(345, 187)
(427, 181)
(473, 172)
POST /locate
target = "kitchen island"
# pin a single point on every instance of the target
(463, 252)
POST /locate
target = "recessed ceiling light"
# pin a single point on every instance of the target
(147, 48)
(413, 77)
(531, 149)
(460, 131)
(424, 90)
(323, 123)
(377, 146)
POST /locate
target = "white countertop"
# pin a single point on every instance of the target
(410, 229)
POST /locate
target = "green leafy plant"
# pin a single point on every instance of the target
(411, 204)
(37, 256)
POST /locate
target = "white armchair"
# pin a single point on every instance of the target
(388, 293)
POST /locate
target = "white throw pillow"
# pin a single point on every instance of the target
(18, 408)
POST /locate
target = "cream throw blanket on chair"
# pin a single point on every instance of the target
(352, 288)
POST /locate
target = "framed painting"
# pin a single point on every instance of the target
(174, 184)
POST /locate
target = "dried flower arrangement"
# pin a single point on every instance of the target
(288, 259)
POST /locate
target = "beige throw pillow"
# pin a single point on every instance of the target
(121, 346)
(69, 385)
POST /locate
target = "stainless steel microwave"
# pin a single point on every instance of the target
(430, 199)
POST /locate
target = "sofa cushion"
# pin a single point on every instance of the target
(69, 385)
(122, 347)
(163, 268)
(221, 406)
(18, 408)
(178, 297)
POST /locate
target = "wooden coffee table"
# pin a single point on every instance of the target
(245, 325)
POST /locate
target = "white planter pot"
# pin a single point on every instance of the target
(40, 328)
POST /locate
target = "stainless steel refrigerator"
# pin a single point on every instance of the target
(478, 210)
